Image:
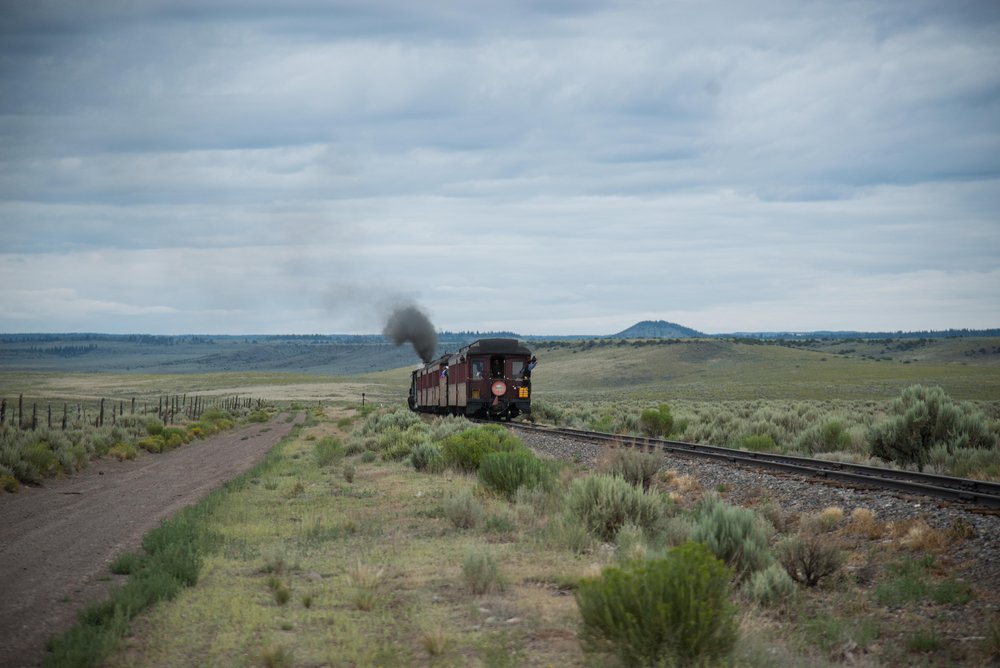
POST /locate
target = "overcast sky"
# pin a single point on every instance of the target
(542, 167)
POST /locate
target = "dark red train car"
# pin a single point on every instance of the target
(486, 378)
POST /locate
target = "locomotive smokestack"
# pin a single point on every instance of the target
(408, 323)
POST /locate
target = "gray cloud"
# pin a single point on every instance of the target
(538, 166)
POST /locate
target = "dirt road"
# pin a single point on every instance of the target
(57, 541)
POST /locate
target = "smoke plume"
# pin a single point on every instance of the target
(408, 323)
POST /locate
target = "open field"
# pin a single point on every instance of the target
(721, 392)
(710, 370)
(87, 387)
(356, 561)
(287, 577)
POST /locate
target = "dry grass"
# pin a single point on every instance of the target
(366, 580)
(435, 642)
(832, 515)
(863, 523)
(918, 535)
(681, 483)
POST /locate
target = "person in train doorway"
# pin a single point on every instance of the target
(444, 371)
(531, 365)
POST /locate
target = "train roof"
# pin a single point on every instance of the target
(491, 346)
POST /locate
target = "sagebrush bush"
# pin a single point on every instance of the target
(965, 462)
(636, 467)
(828, 436)
(391, 433)
(426, 457)
(770, 586)
(631, 543)
(450, 424)
(506, 472)
(463, 509)
(605, 503)
(758, 443)
(327, 450)
(570, 533)
(657, 421)
(925, 418)
(464, 450)
(481, 571)
(738, 536)
(673, 610)
(809, 557)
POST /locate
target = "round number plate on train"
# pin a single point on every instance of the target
(499, 388)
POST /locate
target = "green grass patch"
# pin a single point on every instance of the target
(910, 581)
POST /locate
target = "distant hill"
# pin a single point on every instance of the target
(657, 329)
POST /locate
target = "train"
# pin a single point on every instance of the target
(489, 378)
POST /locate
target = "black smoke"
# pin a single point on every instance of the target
(408, 323)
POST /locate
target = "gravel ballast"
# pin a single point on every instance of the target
(975, 559)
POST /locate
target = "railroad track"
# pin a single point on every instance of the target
(962, 490)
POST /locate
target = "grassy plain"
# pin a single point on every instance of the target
(690, 369)
(309, 568)
(356, 562)
(711, 370)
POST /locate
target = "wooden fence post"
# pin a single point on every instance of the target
(20, 411)
(100, 417)
(34, 416)
(50, 415)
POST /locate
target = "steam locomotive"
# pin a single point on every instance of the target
(488, 378)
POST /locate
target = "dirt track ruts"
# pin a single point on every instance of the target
(57, 541)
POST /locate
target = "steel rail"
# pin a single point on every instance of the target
(963, 490)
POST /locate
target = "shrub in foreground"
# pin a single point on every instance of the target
(505, 472)
(465, 450)
(809, 558)
(426, 457)
(638, 468)
(482, 572)
(463, 510)
(604, 504)
(736, 535)
(327, 450)
(674, 610)
(771, 586)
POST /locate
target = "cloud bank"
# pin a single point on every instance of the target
(236, 167)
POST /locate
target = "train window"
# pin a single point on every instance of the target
(477, 369)
(496, 367)
(516, 368)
